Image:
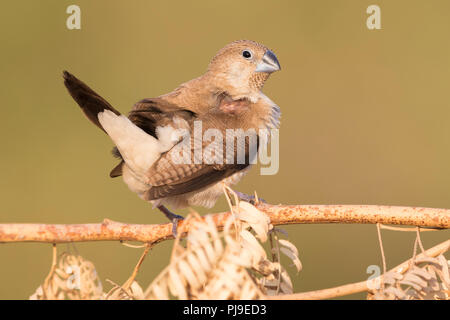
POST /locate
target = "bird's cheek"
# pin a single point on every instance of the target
(237, 75)
(236, 69)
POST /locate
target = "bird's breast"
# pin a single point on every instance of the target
(269, 113)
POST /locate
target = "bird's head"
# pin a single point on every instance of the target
(242, 67)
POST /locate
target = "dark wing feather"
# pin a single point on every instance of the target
(148, 114)
(204, 177)
(117, 171)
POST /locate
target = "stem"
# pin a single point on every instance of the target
(279, 215)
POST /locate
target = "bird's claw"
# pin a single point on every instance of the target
(175, 224)
(174, 218)
(250, 198)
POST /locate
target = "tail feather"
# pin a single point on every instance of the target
(89, 101)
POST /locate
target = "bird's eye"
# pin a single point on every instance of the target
(247, 54)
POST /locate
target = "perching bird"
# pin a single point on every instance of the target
(227, 96)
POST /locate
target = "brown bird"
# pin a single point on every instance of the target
(150, 140)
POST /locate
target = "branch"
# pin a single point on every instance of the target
(279, 215)
(363, 285)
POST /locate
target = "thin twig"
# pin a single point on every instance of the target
(413, 259)
(134, 246)
(130, 280)
(383, 257)
(419, 239)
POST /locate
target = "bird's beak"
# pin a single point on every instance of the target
(269, 63)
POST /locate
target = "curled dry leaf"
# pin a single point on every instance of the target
(291, 252)
(427, 279)
(73, 278)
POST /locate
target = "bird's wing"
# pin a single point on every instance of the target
(167, 178)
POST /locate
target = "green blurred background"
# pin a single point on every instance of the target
(364, 120)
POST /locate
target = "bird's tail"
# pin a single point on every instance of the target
(138, 149)
(89, 101)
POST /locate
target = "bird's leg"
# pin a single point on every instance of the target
(172, 217)
(248, 198)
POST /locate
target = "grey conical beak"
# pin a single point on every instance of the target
(269, 63)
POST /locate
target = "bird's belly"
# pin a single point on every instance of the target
(133, 183)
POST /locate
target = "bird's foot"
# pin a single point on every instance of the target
(175, 225)
(172, 217)
(248, 198)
